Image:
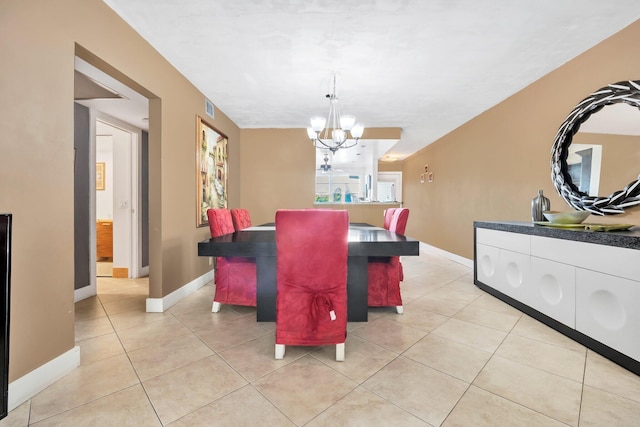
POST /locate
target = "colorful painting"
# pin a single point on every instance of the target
(211, 170)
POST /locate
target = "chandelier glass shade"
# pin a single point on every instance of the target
(337, 131)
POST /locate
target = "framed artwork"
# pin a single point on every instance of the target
(100, 176)
(211, 170)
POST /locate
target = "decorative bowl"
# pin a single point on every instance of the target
(575, 217)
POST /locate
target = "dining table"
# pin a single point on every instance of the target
(259, 242)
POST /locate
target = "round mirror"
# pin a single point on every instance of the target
(561, 173)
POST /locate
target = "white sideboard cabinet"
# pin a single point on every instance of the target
(584, 284)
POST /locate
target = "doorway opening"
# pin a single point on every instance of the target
(117, 200)
(111, 179)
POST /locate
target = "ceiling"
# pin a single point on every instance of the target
(424, 66)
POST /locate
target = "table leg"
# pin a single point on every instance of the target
(267, 288)
(357, 286)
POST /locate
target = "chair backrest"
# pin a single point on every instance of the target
(241, 218)
(311, 272)
(220, 222)
(388, 216)
(311, 275)
(399, 220)
(312, 248)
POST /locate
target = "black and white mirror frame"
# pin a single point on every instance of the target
(616, 202)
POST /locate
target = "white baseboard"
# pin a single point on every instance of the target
(84, 293)
(24, 388)
(159, 305)
(449, 255)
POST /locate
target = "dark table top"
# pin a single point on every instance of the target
(364, 240)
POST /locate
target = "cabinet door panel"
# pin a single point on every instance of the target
(552, 290)
(513, 274)
(487, 258)
(505, 271)
(608, 310)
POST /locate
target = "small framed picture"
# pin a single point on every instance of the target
(430, 176)
(100, 176)
(426, 168)
(421, 178)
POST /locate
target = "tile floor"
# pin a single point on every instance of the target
(457, 357)
(104, 268)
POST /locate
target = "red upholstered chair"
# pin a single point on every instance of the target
(235, 277)
(388, 218)
(241, 219)
(388, 215)
(311, 303)
(220, 222)
(399, 220)
(385, 273)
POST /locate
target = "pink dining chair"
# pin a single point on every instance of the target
(388, 215)
(385, 273)
(311, 303)
(241, 218)
(235, 277)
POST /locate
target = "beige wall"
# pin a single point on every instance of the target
(277, 171)
(38, 40)
(389, 166)
(491, 167)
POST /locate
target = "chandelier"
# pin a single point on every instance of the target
(336, 132)
(326, 167)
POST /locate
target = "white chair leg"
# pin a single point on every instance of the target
(399, 309)
(280, 351)
(340, 352)
(216, 307)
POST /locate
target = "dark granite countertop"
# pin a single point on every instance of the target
(623, 239)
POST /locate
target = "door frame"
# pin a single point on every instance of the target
(134, 239)
(134, 262)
